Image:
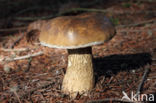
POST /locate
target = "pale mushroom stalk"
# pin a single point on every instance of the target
(79, 77)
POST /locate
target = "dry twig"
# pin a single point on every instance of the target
(17, 40)
(136, 31)
(81, 9)
(21, 57)
(17, 97)
(15, 50)
(137, 24)
(13, 29)
(142, 80)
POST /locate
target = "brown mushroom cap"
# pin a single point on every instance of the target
(71, 32)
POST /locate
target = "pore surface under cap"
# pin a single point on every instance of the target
(71, 32)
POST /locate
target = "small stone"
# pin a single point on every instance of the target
(133, 71)
(7, 69)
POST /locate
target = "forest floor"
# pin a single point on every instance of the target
(120, 63)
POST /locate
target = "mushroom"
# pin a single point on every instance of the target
(77, 34)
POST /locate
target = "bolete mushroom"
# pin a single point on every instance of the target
(77, 34)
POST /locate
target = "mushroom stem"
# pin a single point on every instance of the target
(79, 77)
